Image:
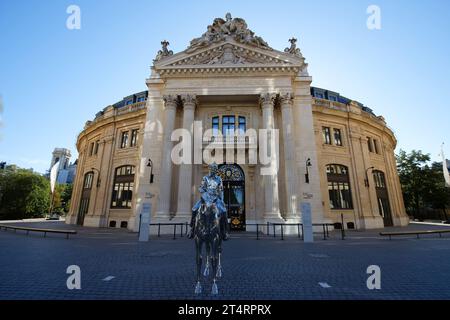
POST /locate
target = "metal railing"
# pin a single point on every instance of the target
(175, 225)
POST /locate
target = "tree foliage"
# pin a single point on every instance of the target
(423, 184)
(23, 194)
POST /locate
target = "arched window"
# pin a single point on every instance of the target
(122, 193)
(88, 178)
(379, 179)
(339, 189)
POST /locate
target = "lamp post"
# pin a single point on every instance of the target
(150, 164)
(366, 180)
(308, 164)
(98, 176)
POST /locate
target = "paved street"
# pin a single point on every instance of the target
(115, 266)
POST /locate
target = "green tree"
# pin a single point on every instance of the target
(437, 195)
(23, 194)
(422, 184)
(61, 200)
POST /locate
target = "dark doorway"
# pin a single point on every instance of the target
(384, 207)
(234, 194)
(85, 197)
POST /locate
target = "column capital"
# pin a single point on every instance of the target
(286, 99)
(189, 101)
(267, 100)
(170, 101)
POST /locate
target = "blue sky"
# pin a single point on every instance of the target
(52, 79)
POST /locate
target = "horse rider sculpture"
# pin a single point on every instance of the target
(211, 190)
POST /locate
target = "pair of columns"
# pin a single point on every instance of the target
(271, 204)
(270, 180)
(185, 175)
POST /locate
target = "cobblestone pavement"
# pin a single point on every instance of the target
(114, 265)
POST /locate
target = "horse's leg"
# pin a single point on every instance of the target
(219, 264)
(208, 257)
(198, 244)
(214, 261)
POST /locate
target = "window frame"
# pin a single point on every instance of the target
(134, 137)
(337, 142)
(123, 187)
(340, 193)
(124, 134)
(369, 144)
(226, 125)
(326, 135)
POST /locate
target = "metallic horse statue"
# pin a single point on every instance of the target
(207, 232)
(208, 227)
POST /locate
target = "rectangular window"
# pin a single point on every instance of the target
(140, 99)
(215, 126)
(375, 146)
(333, 98)
(97, 143)
(242, 125)
(369, 144)
(124, 140)
(228, 125)
(91, 149)
(319, 95)
(134, 137)
(129, 102)
(122, 195)
(337, 137)
(326, 135)
(340, 195)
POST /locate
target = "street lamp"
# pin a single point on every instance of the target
(150, 164)
(98, 176)
(308, 164)
(366, 180)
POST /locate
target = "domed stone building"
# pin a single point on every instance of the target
(228, 88)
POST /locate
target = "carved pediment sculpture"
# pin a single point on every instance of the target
(164, 52)
(221, 29)
(293, 48)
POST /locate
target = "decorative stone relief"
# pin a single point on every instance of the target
(189, 99)
(170, 100)
(229, 54)
(267, 98)
(164, 52)
(221, 29)
(293, 48)
(286, 98)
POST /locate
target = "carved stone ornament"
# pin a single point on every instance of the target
(229, 54)
(267, 98)
(189, 99)
(221, 29)
(170, 100)
(286, 98)
(293, 48)
(164, 52)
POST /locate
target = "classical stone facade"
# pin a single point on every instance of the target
(332, 152)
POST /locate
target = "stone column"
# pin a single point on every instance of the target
(163, 211)
(289, 155)
(306, 144)
(185, 174)
(271, 203)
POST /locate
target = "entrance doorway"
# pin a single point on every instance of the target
(85, 197)
(382, 197)
(234, 194)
